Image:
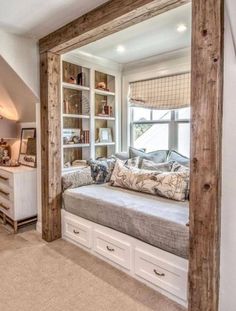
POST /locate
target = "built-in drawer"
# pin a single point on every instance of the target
(78, 232)
(6, 192)
(6, 207)
(113, 249)
(162, 273)
(6, 179)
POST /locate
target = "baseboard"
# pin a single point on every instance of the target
(39, 226)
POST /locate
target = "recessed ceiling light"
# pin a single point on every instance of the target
(120, 49)
(181, 28)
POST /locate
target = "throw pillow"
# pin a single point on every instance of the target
(177, 157)
(177, 167)
(171, 185)
(102, 169)
(152, 166)
(158, 156)
(81, 177)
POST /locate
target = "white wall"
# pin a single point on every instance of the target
(228, 235)
(22, 55)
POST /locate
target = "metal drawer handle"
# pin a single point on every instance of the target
(5, 207)
(110, 249)
(3, 178)
(157, 273)
(3, 192)
(76, 232)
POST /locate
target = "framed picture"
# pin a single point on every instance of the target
(105, 135)
(27, 155)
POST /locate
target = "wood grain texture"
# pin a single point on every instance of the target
(207, 85)
(104, 20)
(51, 145)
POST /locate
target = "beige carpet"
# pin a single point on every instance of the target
(35, 275)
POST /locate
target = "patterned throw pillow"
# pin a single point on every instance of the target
(102, 169)
(152, 166)
(177, 167)
(171, 185)
(80, 177)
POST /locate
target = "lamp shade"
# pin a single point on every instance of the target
(8, 129)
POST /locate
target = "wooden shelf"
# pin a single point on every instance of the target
(104, 144)
(76, 145)
(75, 86)
(105, 118)
(104, 93)
(76, 116)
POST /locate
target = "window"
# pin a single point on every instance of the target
(161, 129)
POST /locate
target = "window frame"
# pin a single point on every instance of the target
(173, 123)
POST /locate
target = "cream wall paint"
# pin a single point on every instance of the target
(22, 55)
(228, 215)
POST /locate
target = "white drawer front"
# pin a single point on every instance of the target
(112, 248)
(6, 207)
(78, 232)
(6, 193)
(161, 273)
(6, 178)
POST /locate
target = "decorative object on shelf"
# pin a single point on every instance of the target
(67, 165)
(105, 135)
(81, 79)
(71, 136)
(72, 80)
(85, 137)
(102, 86)
(27, 154)
(106, 109)
(82, 106)
(79, 163)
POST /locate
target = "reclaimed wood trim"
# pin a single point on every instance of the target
(205, 192)
(104, 20)
(50, 145)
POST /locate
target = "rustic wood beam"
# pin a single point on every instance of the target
(106, 19)
(51, 145)
(207, 84)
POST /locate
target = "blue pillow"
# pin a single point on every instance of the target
(158, 156)
(177, 157)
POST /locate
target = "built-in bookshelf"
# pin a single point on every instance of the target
(89, 113)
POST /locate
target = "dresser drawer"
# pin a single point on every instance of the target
(112, 248)
(6, 193)
(78, 232)
(6, 207)
(161, 273)
(6, 178)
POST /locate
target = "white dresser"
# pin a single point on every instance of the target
(18, 195)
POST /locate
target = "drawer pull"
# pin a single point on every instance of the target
(5, 207)
(158, 274)
(3, 178)
(110, 249)
(3, 192)
(76, 232)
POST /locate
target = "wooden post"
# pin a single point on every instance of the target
(207, 77)
(51, 145)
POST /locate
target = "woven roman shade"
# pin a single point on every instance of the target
(170, 92)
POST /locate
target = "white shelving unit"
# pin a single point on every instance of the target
(82, 106)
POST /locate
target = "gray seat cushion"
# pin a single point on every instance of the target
(154, 220)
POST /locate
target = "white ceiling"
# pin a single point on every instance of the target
(37, 18)
(155, 36)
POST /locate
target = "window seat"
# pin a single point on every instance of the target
(151, 219)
